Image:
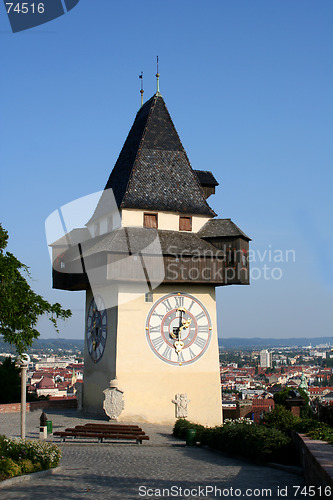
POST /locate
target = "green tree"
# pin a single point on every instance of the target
(10, 382)
(280, 418)
(20, 306)
(281, 396)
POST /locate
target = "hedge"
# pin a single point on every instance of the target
(252, 441)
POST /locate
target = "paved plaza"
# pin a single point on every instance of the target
(160, 468)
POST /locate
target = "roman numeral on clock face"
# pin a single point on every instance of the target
(167, 352)
(180, 357)
(191, 353)
(191, 305)
(167, 305)
(160, 316)
(179, 301)
(202, 328)
(155, 328)
(157, 343)
(200, 342)
(201, 315)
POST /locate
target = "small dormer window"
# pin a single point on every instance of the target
(185, 223)
(97, 229)
(150, 220)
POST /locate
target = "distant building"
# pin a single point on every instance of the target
(265, 359)
(261, 406)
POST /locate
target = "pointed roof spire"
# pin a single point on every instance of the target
(157, 79)
(153, 171)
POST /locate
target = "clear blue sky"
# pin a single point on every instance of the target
(248, 84)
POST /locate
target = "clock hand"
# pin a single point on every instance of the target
(186, 323)
(94, 335)
(181, 310)
(179, 344)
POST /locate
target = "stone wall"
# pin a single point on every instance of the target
(40, 405)
(317, 462)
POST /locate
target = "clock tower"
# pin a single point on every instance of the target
(150, 259)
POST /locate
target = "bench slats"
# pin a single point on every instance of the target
(82, 428)
(104, 431)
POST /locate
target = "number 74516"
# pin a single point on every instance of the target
(25, 7)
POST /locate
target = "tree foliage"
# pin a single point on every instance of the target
(10, 382)
(280, 418)
(20, 306)
(281, 397)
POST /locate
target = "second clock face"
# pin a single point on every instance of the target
(178, 329)
(96, 328)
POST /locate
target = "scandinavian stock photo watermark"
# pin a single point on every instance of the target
(267, 264)
(227, 265)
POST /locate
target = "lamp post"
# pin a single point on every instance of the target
(23, 362)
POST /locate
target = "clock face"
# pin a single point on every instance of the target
(96, 328)
(178, 329)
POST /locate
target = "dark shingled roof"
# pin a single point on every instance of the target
(206, 178)
(138, 239)
(72, 238)
(153, 171)
(216, 228)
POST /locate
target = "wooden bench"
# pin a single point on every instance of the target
(111, 426)
(104, 431)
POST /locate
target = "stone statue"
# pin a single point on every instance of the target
(114, 400)
(304, 383)
(181, 401)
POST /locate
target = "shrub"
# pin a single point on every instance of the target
(8, 468)
(307, 412)
(307, 425)
(27, 466)
(322, 431)
(252, 441)
(47, 454)
(280, 418)
(182, 425)
(23, 456)
(255, 442)
(2, 440)
(326, 414)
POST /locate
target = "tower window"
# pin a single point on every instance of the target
(185, 223)
(244, 258)
(150, 220)
(231, 257)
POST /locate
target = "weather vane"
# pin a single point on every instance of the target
(141, 91)
(157, 77)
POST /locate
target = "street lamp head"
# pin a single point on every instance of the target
(23, 360)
